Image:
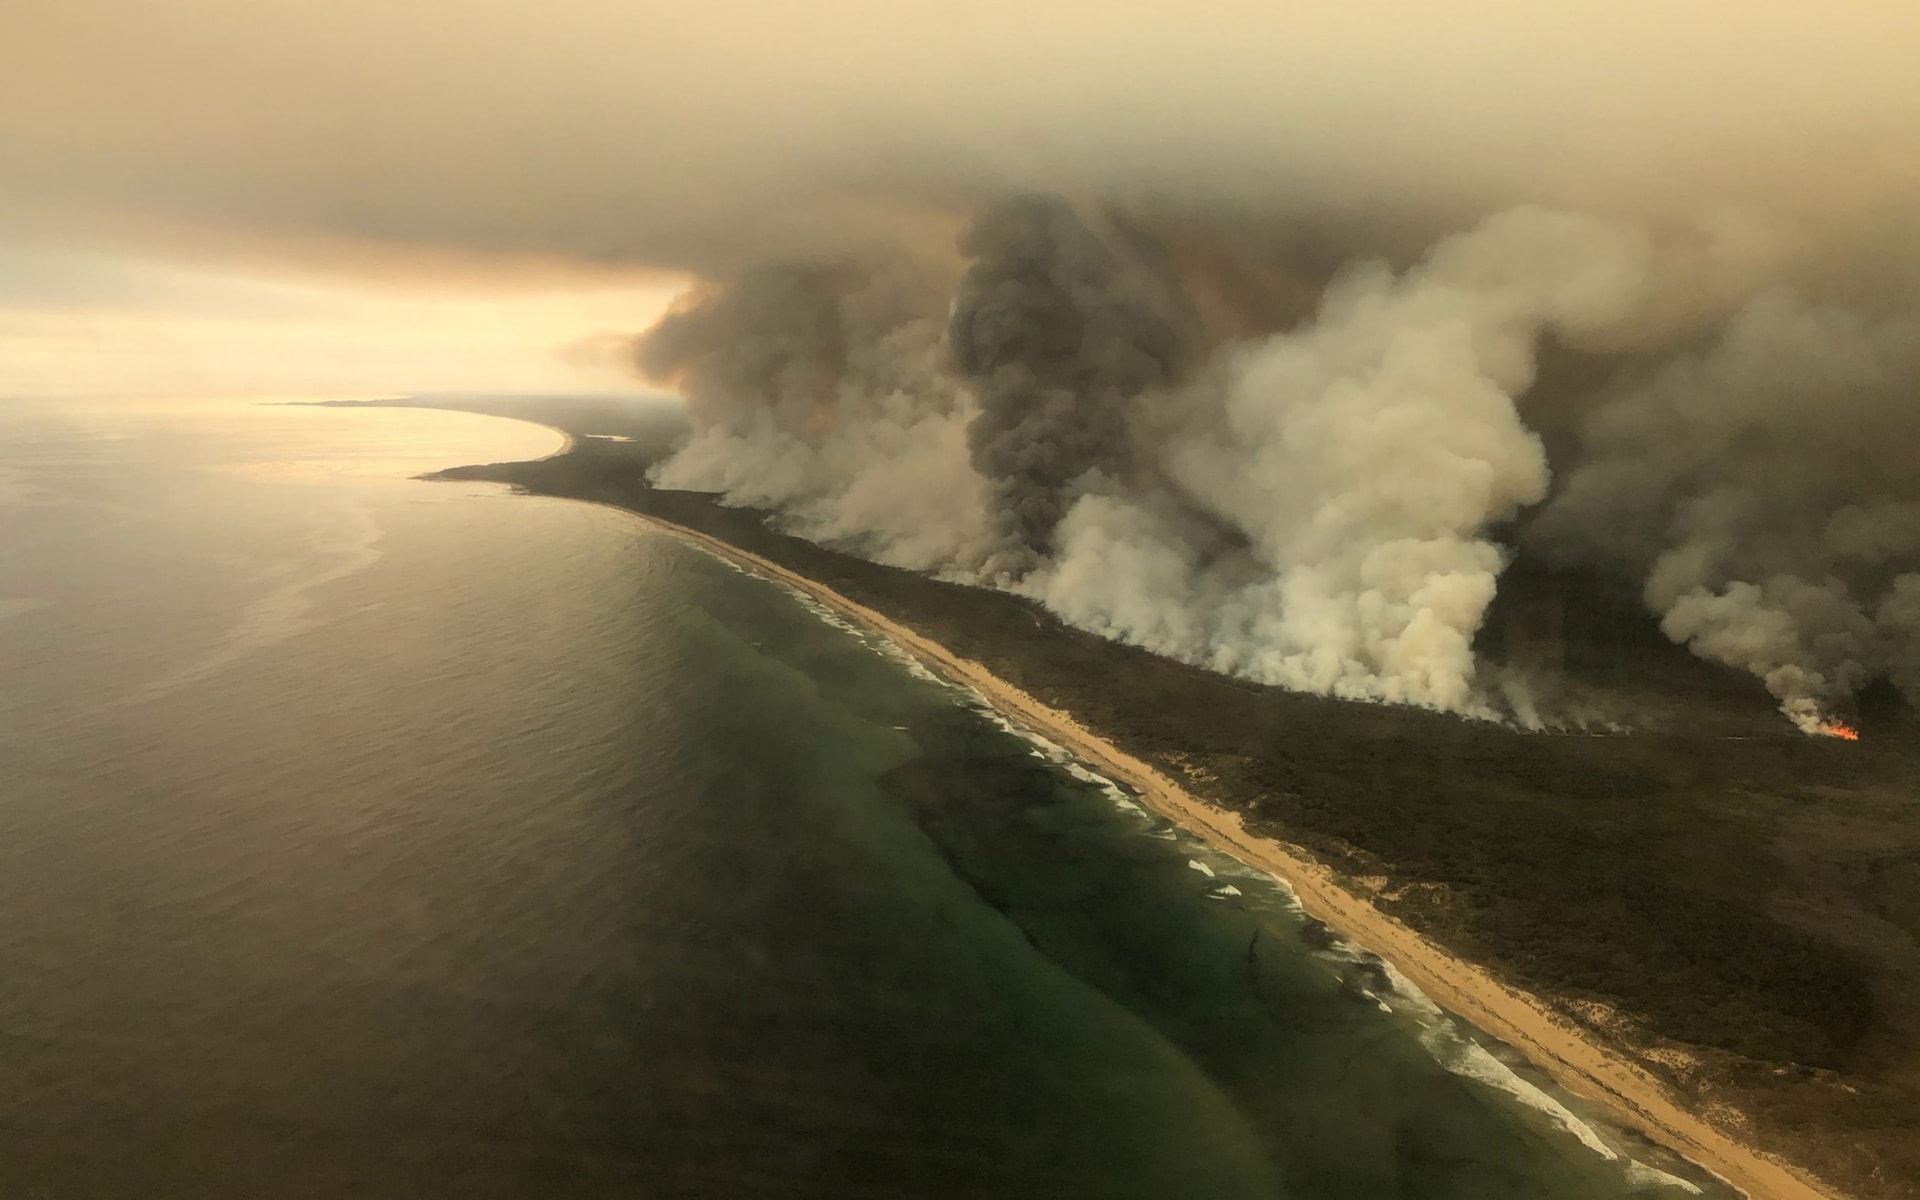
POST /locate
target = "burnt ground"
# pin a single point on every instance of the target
(1733, 903)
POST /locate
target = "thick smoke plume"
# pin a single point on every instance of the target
(1361, 459)
(1767, 489)
(823, 392)
(1056, 332)
(1317, 506)
(1181, 408)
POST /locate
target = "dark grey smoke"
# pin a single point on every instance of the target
(1308, 503)
(768, 346)
(1058, 329)
(1766, 490)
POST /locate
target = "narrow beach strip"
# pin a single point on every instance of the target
(1575, 1060)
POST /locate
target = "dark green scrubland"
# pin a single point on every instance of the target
(1732, 903)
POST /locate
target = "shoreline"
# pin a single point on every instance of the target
(1573, 1059)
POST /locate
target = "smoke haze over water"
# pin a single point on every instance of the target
(1218, 330)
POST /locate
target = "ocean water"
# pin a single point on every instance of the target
(368, 837)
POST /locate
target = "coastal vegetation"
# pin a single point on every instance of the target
(1723, 900)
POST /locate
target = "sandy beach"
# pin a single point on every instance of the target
(1577, 1061)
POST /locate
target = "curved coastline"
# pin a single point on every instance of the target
(1576, 1061)
(569, 441)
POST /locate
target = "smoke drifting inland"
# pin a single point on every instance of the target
(1055, 339)
(1312, 507)
(1766, 488)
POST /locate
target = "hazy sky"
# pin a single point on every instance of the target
(85, 322)
(370, 194)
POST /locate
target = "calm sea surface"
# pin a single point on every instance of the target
(374, 838)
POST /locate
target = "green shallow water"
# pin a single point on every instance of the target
(365, 837)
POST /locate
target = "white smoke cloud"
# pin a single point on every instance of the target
(1768, 489)
(1231, 474)
(1314, 513)
(899, 490)
(1362, 458)
(1320, 507)
(823, 394)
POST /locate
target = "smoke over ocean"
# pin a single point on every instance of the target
(1089, 406)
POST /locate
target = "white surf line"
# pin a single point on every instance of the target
(1440, 1033)
(746, 563)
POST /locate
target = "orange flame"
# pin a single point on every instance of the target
(1841, 730)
